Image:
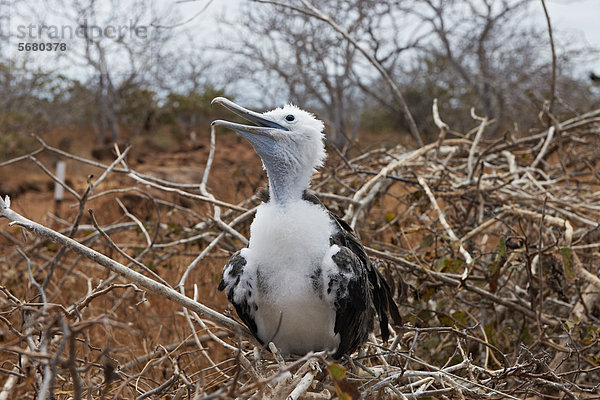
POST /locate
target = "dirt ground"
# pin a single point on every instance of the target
(235, 165)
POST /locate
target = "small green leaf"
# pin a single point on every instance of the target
(414, 196)
(431, 342)
(389, 216)
(336, 370)
(427, 294)
(490, 331)
(460, 317)
(446, 321)
(173, 227)
(526, 336)
(345, 390)
(449, 265)
(502, 247)
(567, 259)
(426, 242)
(569, 325)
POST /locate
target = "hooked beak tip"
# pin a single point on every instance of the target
(216, 100)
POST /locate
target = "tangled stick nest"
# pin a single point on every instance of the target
(498, 241)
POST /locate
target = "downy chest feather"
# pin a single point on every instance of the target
(288, 243)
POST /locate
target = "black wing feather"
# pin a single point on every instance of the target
(382, 295)
(354, 313)
(230, 281)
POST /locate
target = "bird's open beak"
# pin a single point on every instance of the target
(265, 126)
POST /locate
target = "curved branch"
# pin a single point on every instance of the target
(133, 276)
(314, 12)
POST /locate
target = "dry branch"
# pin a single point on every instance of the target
(119, 268)
(497, 241)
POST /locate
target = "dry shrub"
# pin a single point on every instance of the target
(498, 241)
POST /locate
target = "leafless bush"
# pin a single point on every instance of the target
(498, 241)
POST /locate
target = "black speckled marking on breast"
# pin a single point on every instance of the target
(317, 281)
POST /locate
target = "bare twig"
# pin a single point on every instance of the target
(114, 266)
(314, 12)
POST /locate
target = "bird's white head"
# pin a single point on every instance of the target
(301, 146)
(289, 142)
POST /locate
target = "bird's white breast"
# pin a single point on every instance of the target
(287, 245)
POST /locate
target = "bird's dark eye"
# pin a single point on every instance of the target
(290, 118)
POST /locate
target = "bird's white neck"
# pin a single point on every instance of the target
(286, 185)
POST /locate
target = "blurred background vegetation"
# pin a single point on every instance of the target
(494, 56)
